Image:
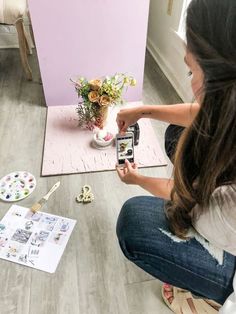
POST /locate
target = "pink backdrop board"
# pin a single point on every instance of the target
(68, 149)
(91, 38)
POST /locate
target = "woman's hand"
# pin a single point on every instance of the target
(129, 173)
(127, 117)
(159, 187)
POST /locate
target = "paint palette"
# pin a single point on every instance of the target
(17, 185)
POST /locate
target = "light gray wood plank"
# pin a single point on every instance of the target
(15, 292)
(145, 298)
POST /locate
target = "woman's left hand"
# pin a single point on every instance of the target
(129, 173)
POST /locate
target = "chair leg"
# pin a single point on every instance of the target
(27, 42)
(31, 29)
(27, 37)
(23, 49)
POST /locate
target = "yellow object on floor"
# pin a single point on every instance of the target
(86, 196)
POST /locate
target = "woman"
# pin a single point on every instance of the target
(186, 234)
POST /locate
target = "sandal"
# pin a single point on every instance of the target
(184, 303)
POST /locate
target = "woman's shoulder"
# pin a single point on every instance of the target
(226, 188)
(217, 222)
(224, 196)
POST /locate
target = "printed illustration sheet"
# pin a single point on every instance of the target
(36, 240)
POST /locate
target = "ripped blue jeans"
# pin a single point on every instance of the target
(146, 240)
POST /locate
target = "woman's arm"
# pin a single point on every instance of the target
(157, 186)
(179, 114)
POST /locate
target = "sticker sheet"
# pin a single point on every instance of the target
(37, 240)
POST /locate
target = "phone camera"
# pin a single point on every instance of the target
(134, 128)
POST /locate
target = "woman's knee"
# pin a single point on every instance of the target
(137, 216)
(138, 213)
(127, 225)
(124, 222)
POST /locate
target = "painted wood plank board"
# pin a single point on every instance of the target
(69, 149)
(91, 39)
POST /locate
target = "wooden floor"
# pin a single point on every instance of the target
(93, 277)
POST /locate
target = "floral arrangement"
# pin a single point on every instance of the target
(97, 95)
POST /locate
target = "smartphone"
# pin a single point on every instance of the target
(136, 130)
(125, 148)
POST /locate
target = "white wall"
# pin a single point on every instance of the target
(167, 47)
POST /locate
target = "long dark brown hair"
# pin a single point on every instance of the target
(205, 157)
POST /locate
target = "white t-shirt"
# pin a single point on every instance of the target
(217, 224)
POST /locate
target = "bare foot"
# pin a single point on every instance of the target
(168, 292)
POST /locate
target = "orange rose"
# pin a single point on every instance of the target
(93, 96)
(95, 84)
(105, 100)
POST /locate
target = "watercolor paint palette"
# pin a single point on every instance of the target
(17, 185)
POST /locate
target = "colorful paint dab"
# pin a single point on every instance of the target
(16, 186)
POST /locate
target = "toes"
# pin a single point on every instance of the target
(168, 292)
(171, 299)
(167, 287)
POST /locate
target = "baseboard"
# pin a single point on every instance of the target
(174, 77)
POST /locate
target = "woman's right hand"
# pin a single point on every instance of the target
(129, 173)
(127, 117)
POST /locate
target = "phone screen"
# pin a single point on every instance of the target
(125, 149)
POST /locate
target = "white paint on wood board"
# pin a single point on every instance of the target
(68, 148)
